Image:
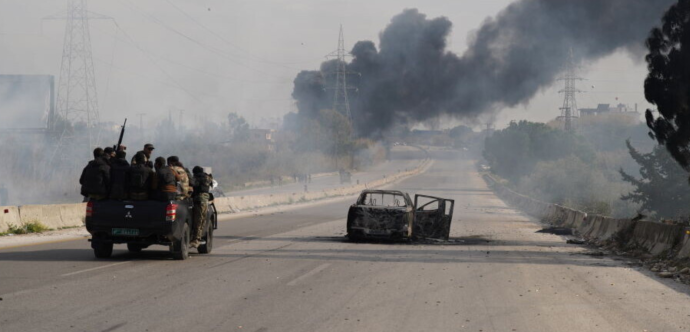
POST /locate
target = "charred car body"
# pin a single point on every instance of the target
(391, 214)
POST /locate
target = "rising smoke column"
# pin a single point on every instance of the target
(411, 77)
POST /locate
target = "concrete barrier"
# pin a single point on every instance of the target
(656, 238)
(684, 251)
(653, 237)
(48, 215)
(9, 215)
(73, 215)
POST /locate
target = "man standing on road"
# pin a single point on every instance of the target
(147, 151)
(202, 187)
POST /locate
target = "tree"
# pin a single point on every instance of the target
(238, 126)
(668, 84)
(513, 152)
(662, 188)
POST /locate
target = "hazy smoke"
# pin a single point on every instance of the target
(413, 78)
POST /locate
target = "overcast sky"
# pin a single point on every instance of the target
(212, 57)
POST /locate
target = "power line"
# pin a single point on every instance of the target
(208, 73)
(212, 49)
(217, 35)
(157, 65)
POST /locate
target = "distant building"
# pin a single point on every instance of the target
(603, 109)
(262, 137)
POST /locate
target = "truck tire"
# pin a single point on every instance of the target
(180, 248)
(102, 249)
(206, 248)
(134, 247)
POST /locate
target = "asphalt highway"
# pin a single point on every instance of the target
(294, 271)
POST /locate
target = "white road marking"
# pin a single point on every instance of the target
(309, 274)
(94, 269)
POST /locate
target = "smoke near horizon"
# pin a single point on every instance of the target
(411, 77)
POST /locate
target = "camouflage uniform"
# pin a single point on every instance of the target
(184, 181)
(202, 186)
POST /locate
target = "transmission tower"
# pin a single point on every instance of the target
(341, 102)
(569, 111)
(77, 98)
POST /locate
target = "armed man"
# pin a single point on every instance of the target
(202, 187)
(184, 178)
(141, 180)
(119, 167)
(95, 178)
(147, 151)
(166, 181)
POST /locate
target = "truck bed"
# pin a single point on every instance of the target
(126, 221)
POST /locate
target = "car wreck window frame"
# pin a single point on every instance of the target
(370, 199)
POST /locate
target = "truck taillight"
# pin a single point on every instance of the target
(89, 209)
(170, 212)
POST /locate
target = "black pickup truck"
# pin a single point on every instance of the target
(140, 224)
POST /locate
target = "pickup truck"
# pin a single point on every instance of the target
(391, 214)
(141, 224)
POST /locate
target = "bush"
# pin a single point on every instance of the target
(27, 228)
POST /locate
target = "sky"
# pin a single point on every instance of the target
(201, 59)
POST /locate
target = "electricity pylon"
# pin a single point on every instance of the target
(77, 97)
(569, 111)
(341, 102)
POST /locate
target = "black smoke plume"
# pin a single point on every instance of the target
(411, 77)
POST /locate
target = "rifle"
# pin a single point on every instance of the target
(122, 134)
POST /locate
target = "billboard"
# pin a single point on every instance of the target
(26, 101)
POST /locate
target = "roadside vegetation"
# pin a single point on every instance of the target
(237, 154)
(26, 228)
(581, 170)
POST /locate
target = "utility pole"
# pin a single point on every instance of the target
(77, 98)
(141, 125)
(569, 111)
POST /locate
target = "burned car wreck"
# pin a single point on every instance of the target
(391, 214)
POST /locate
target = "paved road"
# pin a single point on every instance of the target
(292, 271)
(402, 158)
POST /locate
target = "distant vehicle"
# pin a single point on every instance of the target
(141, 224)
(391, 214)
(485, 167)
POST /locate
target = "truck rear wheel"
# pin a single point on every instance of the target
(180, 248)
(102, 249)
(134, 247)
(206, 248)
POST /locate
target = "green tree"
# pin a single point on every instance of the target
(668, 84)
(513, 152)
(661, 189)
(238, 127)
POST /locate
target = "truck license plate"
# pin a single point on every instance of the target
(126, 231)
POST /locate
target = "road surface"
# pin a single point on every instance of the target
(293, 271)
